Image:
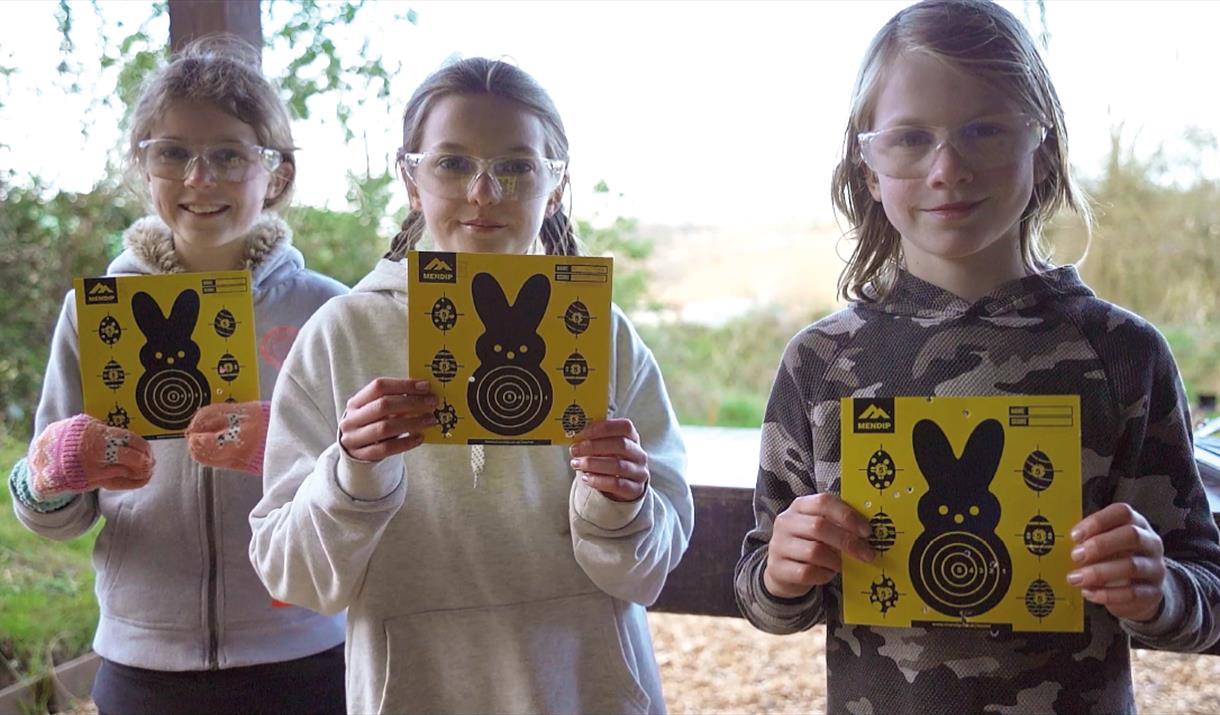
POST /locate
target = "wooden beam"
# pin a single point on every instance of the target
(703, 581)
(191, 19)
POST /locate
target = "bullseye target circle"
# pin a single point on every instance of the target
(961, 574)
(511, 400)
(169, 398)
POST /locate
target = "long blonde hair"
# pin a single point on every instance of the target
(478, 75)
(223, 71)
(985, 41)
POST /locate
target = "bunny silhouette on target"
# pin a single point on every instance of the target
(509, 392)
(172, 388)
(958, 565)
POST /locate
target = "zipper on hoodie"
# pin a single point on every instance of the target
(209, 525)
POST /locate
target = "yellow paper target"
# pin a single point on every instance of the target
(971, 500)
(154, 349)
(516, 347)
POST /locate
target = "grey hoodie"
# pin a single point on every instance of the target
(175, 587)
(524, 592)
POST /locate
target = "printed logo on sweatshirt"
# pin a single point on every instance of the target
(873, 415)
(101, 290)
(437, 267)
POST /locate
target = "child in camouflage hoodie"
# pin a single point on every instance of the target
(955, 157)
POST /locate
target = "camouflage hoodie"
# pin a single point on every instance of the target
(1046, 334)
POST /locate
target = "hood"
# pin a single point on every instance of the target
(148, 248)
(386, 277)
(914, 297)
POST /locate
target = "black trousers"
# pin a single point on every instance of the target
(308, 686)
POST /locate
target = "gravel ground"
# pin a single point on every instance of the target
(724, 665)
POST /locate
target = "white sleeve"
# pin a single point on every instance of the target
(322, 513)
(628, 548)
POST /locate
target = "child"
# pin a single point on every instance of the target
(955, 158)
(524, 592)
(186, 626)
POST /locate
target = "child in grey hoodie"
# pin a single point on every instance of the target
(527, 593)
(185, 625)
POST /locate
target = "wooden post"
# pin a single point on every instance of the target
(190, 19)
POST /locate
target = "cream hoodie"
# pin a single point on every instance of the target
(523, 593)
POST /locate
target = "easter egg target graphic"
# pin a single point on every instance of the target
(967, 499)
(517, 348)
(164, 346)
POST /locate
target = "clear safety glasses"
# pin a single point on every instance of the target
(453, 176)
(985, 143)
(232, 162)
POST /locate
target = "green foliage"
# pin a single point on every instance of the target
(46, 587)
(720, 375)
(1156, 247)
(49, 238)
(346, 244)
(317, 69)
(620, 238)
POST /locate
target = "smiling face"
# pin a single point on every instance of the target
(209, 217)
(486, 126)
(957, 223)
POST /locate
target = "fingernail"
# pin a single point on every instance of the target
(864, 531)
(575, 463)
(1077, 534)
(584, 478)
(421, 384)
(1075, 578)
(1078, 553)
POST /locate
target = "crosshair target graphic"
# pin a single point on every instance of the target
(960, 574)
(118, 417)
(446, 418)
(575, 369)
(884, 593)
(225, 323)
(444, 365)
(1040, 599)
(576, 318)
(444, 314)
(109, 330)
(1038, 471)
(113, 375)
(574, 419)
(881, 469)
(1039, 535)
(509, 400)
(884, 532)
(170, 397)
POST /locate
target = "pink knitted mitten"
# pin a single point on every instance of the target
(82, 453)
(230, 435)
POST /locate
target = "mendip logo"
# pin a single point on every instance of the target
(437, 267)
(873, 415)
(101, 290)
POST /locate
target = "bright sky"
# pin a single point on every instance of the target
(704, 113)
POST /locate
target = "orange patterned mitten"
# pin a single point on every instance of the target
(231, 435)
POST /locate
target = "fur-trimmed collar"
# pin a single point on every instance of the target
(152, 243)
